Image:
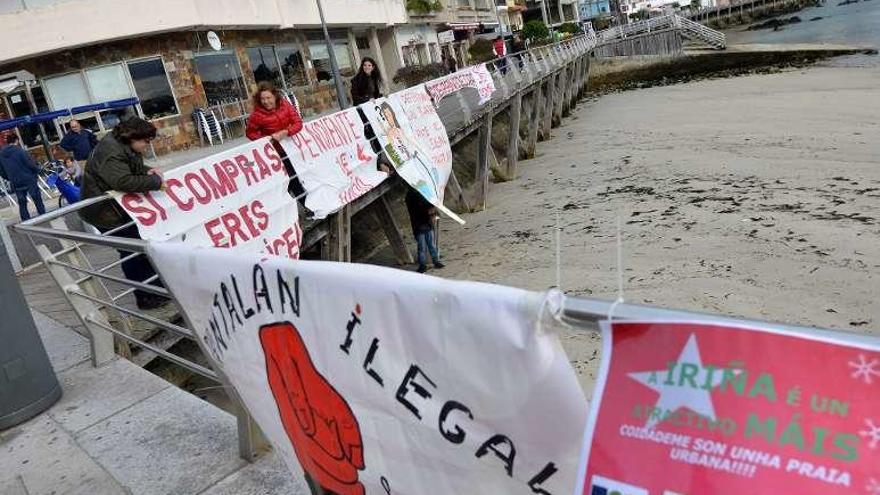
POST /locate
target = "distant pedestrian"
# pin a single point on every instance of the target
(449, 63)
(20, 168)
(500, 51)
(117, 164)
(80, 142)
(518, 48)
(422, 215)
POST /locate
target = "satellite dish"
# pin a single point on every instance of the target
(214, 41)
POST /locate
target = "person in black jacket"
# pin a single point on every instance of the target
(117, 164)
(367, 86)
(80, 142)
(20, 168)
(421, 217)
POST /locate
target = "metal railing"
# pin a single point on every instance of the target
(87, 267)
(689, 28)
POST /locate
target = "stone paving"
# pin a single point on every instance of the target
(119, 429)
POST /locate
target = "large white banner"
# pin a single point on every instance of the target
(334, 161)
(376, 381)
(476, 77)
(235, 199)
(414, 139)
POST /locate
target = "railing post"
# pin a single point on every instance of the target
(382, 209)
(100, 340)
(337, 245)
(537, 101)
(558, 88)
(484, 150)
(547, 111)
(513, 140)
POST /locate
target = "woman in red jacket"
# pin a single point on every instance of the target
(275, 117)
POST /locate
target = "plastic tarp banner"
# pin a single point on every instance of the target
(700, 408)
(415, 141)
(334, 161)
(370, 380)
(236, 199)
(476, 77)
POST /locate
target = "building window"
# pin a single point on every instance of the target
(264, 65)
(152, 88)
(362, 43)
(410, 57)
(19, 107)
(435, 53)
(108, 83)
(292, 66)
(67, 91)
(321, 58)
(221, 77)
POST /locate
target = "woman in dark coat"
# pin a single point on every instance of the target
(366, 86)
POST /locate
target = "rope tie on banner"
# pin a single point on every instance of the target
(552, 304)
(617, 302)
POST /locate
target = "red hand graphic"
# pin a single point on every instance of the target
(319, 423)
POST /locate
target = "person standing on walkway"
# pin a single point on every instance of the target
(500, 51)
(80, 142)
(20, 168)
(366, 86)
(275, 117)
(117, 164)
(422, 215)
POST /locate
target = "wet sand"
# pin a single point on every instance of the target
(754, 196)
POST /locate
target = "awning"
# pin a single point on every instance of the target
(47, 116)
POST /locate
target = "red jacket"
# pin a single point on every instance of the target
(264, 122)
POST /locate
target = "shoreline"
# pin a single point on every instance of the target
(752, 197)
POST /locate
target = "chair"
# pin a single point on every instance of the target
(208, 126)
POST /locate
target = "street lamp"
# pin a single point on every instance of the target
(334, 66)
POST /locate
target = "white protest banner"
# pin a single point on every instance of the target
(334, 161)
(415, 141)
(476, 77)
(235, 199)
(370, 380)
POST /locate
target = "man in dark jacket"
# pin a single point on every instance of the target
(22, 171)
(421, 216)
(117, 164)
(80, 142)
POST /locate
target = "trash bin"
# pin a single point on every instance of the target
(28, 385)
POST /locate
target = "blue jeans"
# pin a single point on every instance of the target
(22, 194)
(425, 239)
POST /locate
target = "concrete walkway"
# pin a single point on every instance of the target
(118, 429)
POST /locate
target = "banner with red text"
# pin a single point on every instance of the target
(415, 141)
(334, 161)
(706, 409)
(370, 380)
(476, 77)
(235, 199)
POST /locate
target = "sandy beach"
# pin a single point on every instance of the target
(751, 196)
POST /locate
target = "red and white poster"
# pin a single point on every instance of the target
(236, 199)
(415, 141)
(334, 161)
(703, 409)
(370, 380)
(476, 77)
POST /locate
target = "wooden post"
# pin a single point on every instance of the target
(513, 135)
(455, 188)
(558, 87)
(547, 111)
(534, 120)
(573, 83)
(484, 150)
(337, 245)
(565, 86)
(382, 209)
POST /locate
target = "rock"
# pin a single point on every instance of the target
(816, 19)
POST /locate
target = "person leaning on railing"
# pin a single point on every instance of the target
(366, 86)
(275, 117)
(117, 164)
